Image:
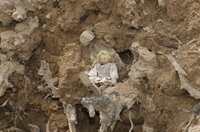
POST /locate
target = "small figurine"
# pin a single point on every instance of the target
(104, 73)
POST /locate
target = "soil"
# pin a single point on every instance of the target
(160, 26)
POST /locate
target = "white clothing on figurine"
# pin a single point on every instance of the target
(104, 74)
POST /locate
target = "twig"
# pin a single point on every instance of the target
(70, 68)
(72, 44)
(47, 126)
(47, 95)
(151, 100)
(5, 103)
(26, 79)
(25, 114)
(130, 121)
(34, 128)
(196, 111)
(191, 41)
(191, 122)
(141, 114)
(11, 129)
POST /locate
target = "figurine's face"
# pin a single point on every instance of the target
(103, 59)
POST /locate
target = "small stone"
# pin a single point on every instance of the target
(19, 14)
(146, 128)
(147, 29)
(160, 21)
(59, 19)
(97, 24)
(44, 26)
(107, 38)
(48, 16)
(78, 56)
(17, 43)
(43, 1)
(14, 89)
(142, 1)
(38, 51)
(39, 7)
(86, 37)
(161, 3)
(160, 52)
(168, 42)
(68, 96)
(145, 13)
(173, 53)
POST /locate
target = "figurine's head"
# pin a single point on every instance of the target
(103, 57)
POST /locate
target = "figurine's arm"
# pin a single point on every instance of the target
(93, 72)
(113, 74)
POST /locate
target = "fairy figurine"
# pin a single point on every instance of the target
(103, 74)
